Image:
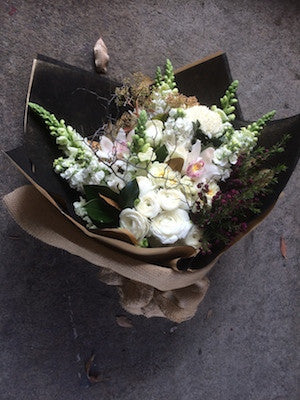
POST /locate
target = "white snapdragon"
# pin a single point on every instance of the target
(170, 226)
(159, 96)
(135, 222)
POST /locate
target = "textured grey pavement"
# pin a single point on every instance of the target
(54, 313)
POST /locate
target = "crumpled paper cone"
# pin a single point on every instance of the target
(145, 289)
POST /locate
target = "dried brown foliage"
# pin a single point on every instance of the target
(176, 100)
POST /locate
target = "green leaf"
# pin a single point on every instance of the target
(93, 191)
(129, 194)
(161, 153)
(102, 214)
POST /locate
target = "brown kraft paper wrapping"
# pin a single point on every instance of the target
(145, 289)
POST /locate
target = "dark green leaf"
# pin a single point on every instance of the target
(161, 153)
(101, 213)
(92, 192)
(129, 194)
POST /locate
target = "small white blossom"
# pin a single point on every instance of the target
(148, 205)
(145, 185)
(170, 226)
(171, 199)
(153, 132)
(135, 222)
(79, 208)
(193, 237)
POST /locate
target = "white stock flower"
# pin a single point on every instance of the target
(136, 223)
(153, 132)
(115, 183)
(170, 226)
(148, 205)
(79, 208)
(193, 237)
(170, 199)
(211, 123)
(178, 131)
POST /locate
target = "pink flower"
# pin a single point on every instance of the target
(199, 165)
(194, 170)
(117, 149)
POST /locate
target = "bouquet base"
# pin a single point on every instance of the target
(145, 289)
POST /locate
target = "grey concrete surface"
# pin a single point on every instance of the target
(54, 312)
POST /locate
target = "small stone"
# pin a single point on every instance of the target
(173, 329)
(101, 56)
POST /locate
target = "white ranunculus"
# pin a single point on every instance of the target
(211, 122)
(145, 185)
(153, 132)
(148, 205)
(170, 199)
(170, 226)
(193, 237)
(135, 222)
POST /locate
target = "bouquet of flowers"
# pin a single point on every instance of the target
(169, 171)
(163, 179)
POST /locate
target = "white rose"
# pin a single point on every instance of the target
(193, 237)
(136, 223)
(170, 226)
(170, 199)
(153, 131)
(148, 205)
(211, 122)
(145, 185)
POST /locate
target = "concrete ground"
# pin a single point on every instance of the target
(241, 345)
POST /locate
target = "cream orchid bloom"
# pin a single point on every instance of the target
(199, 165)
